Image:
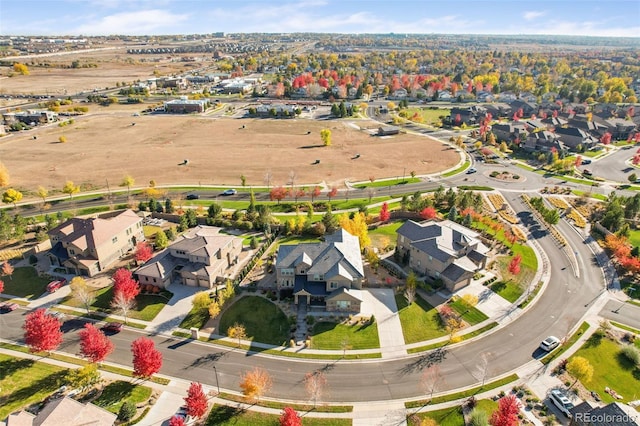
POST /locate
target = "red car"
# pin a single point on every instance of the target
(8, 307)
(53, 286)
(112, 327)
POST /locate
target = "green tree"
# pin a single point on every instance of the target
(632, 177)
(161, 240)
(201, 300)
(168, 206)
(11, 196)
(214, 210)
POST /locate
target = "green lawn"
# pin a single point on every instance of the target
(117, 393)
(611, 369)
(470, 314)
(331, 335)
(385, 234)
(25, 282)
(150, 231)
(195, 318)
(222, 415)
(508, 290)
(147, 306)
(24, 382)
(464, 166)
(388, 182)
(263, 321)
(444, 417)
(420, 321)
(429, 115)
(634, 238)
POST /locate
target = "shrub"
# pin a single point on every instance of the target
(127, 411)
(632, 354)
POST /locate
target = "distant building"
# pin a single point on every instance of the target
(388, 130)
(185, 106)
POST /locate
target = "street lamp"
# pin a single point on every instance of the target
(631, 290)
(217, 383)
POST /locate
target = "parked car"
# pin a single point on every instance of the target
(182, 414)
(193, 197)
(550, 343)
(229, 192)
(587, 172)
(586, 161)
(8, 307)
(53, 286)
(561, 401)
(112, 327)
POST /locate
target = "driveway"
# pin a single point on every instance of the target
(381, 303)
(175, 310)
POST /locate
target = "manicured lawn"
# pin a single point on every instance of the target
(610, 369)
(147, 305)
(388, 182)
(24, 382)
(508, 290)
(195, 318)
(25, 282)
(222, 415)
(263, 321)
(420, 321)
(466, 164)
(117, 393)
(487, 405)
(385, 234)
(634, 238)
(470, 314)
(445, 417)
(150, 231)
(331, 335)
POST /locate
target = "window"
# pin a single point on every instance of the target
(343, 304)
(333, 285)
(430, 258)
(154, 280)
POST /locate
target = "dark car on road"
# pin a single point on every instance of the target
(8, 307)
(193, 197)
(112, 327)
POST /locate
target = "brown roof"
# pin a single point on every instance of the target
(65, 411)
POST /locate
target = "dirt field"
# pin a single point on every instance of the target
(106, 146)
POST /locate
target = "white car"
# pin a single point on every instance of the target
(550, 343)
(561, 401)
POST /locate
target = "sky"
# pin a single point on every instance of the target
(619, 18)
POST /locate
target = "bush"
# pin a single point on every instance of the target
(127, 411)
(632, 354)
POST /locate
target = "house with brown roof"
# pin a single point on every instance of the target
(201, 257)
(64, 411)
(88, 246)
(442, 250)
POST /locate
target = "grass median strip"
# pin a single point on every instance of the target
(319, 408)
(445, 343)
(563, 348)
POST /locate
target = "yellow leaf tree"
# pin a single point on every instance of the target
(128, 181)
(237, 331)
(70, 188)
(21, 68)
(4, 175)
(325, 135)
(255, 383)
(580, 368)
(42, 193)
(11, 196)
(356, 227)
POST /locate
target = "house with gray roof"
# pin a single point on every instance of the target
(87, 246)
(442, 250)
(571, 137)
(615, 413)
(201, 257)
(327, 275)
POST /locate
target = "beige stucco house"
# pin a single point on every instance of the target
(442, 250)
(201, 257)
(328, 275)
(64, 411)
(87, 246)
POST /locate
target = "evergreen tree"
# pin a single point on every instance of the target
(453, 213)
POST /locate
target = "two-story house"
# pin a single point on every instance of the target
(201, 257)
(327, 275)
(443, 250)
(88, 246)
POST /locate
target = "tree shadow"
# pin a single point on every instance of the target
(425, 361)
(594, 340)
(12, 365)
(224, 414)
(114, 393)
(205, 360)
(47, 384)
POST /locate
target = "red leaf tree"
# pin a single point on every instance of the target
(507, 412)
(94, 345)
(144, 251)
(578, 160)
(1, 286)
(606, 138)
(176, 421)
(278, 193)
(428, 213)
(315, 193)
(124, 284)
(385, 214)
(290, 417)
(332, 193)
(514, 265)
(42, 331)
(147, 360)
(196, 400)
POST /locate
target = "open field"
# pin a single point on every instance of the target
(106, 146)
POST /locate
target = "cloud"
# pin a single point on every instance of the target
(150, 21)
(533, 14)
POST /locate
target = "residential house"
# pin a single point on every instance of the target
(621, 129)
(201, 257)
(276, 110)
(185, 106)
(443, 251)
(509, 132)
(64, 411)
(468, 115)
(595, 127)
(444, 95)
(528, 97)
(571, 137)
(483, 96)
(498, 110)
(528, 108)
(542, 141)
(615, 413)
(88, 246)
(507, 97)
(327, 275)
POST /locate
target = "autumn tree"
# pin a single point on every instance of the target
(70, 188)
(42, 193)
(176, 421)
(357, 227)
(81, 291)
(431, 380)
(507, 412)
(84, 377)
(514, 265)
(127, 181)
(11, 196)
(428, 213)
(144, 252)
(1, 286)
(278, 193)
(325, 136)
(94, 345)
(7, 270)
(62, 139)
(124, 284)
(290, 417)
(21, 68)
(4, 176)
(237, 331)
(214, 309)
(580, 368)
(316, 385)
(147, 360)
(385, 214)
(255, 383)
(42, 331)
(315, 192)
(196, 400)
